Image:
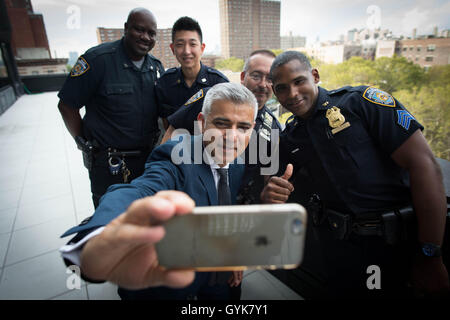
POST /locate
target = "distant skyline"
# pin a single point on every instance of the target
(71, 25)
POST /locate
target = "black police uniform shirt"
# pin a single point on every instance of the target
(120, 100)
(186, 115)
(345, 149)
(172, 90)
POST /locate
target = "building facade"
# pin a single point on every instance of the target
(29, 41)
(425, 51)
(247, 25)
(290, 41)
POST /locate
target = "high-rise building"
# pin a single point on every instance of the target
(247, 25)
(161, 50)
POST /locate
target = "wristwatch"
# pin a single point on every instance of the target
(430, 249)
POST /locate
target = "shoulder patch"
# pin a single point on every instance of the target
(80, 67)
(378, 96)
(195, 97)
(404, 118)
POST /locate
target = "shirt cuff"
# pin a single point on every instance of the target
(72, 252)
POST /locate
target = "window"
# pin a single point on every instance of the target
(429, 58)
(405, 48)
(419, 48)
(431, 47)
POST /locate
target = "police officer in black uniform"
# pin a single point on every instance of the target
(177, 85)
(365, 158)
(115, 82)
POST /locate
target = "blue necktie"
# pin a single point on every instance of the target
(223, 190)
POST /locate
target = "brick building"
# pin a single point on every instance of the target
(247, 25)
(29, 41)
(425, 51)
(28, 27)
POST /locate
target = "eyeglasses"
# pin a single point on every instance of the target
(256, 76)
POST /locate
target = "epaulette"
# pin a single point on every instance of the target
(104, 48)
(154, 58)
(212, 70)
(340, 90)
(169, 71)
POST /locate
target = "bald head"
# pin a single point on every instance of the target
(140, 11)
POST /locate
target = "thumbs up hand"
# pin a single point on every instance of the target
(278, 189)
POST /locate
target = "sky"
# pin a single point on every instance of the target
(71, 25)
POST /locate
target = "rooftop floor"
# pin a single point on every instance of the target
(44, 190)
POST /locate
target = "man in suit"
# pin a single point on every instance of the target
(119, 248)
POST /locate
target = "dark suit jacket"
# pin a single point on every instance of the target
(162, 174)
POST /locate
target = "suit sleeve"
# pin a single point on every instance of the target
(160, 174)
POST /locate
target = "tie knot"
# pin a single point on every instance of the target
(222, 172)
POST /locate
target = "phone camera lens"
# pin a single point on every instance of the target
(297, 226)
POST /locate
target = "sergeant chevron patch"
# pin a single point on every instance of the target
(404, 118)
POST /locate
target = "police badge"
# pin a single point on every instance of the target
(336, 120)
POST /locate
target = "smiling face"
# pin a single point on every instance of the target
(256, 78)
(187, 48)
(296, 87)
(227, 129)
(140, 34)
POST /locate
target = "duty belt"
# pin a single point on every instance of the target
(117, 164)
(393, 226)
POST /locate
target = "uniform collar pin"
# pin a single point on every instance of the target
(203, 80)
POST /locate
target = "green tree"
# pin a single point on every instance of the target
(233, 64)
(397, 73)
(430, 105)
(353, 72)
